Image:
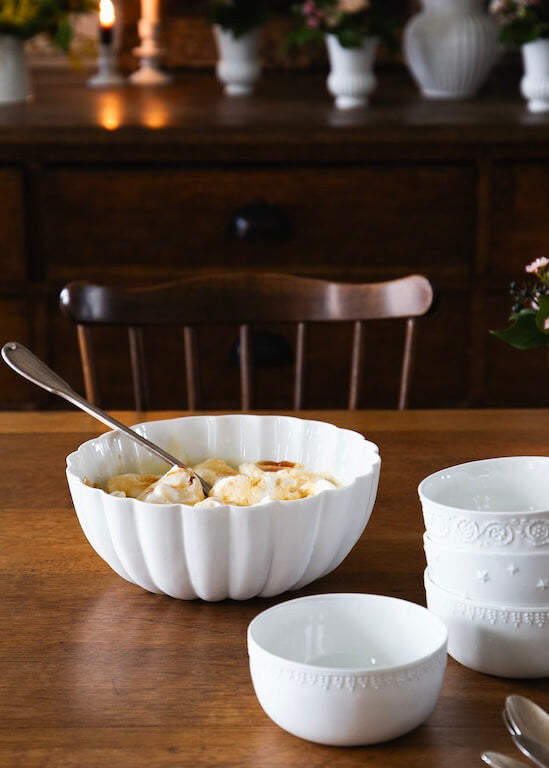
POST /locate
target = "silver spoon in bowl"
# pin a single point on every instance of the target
(26, 364)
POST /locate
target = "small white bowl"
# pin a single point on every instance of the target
(226, 551)
(497, 504)
(518, 578)
(347, 669)
(495, 638)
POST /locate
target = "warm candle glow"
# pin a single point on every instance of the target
(110, 111)
(106, 13)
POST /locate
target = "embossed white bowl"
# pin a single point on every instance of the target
(347, 669)
(498, 639)
(497, 504)
(518, 578)
(226, 551)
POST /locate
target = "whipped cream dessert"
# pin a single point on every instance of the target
(252, 483)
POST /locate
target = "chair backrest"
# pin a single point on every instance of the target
(245, 300)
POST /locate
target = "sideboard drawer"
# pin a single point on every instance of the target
(371, 219)
(520, 205)
(12, 253)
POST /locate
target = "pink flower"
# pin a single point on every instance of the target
(537, 265)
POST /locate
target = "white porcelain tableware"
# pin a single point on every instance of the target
(497, 504)
(347, 669)
(226, 551)
(495, 638)
(517, 578)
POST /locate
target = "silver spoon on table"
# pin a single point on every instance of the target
(26, 364)
(498, 760)
(528, 725)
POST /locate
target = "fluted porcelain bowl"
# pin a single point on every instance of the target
(516, 578)
(499, 504)
(226, 551)
(347, 669)
(497, 638)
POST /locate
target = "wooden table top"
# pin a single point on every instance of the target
(95, 671)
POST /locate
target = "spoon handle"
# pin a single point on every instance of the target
(26, 364)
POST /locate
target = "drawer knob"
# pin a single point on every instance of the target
(260, 221)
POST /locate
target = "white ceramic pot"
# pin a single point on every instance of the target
(238, 66)
(535, 82)
(512, 578)
(450, 47)
(14, 76)
(351, 79)
(494, 638)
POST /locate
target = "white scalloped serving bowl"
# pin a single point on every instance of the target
(498, 504)
(226, 551)
(498, 639)
(347, 669)
(518, 578)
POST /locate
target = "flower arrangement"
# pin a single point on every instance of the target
(530, 309)
(521, 21)
(348, 20)
(27, 18)
(239, 16)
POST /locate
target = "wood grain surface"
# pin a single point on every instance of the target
(95, 671)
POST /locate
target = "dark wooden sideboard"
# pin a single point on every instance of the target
(141, 185)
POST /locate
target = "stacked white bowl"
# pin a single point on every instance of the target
(487, 549)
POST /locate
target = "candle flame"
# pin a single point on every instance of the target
(106, 13)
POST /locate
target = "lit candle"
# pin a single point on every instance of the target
(106, 21)
(149, 11)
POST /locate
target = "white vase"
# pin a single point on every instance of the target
(534, 85)
(351, 79)
(450, 47)
(238, 66)
(14, 75)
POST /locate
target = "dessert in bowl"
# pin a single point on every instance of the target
(347, 669)
(226, 550)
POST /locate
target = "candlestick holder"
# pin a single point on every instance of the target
(107, 75)
(149, 72)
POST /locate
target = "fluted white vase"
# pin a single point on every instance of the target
(351, 79)
(238, 65)
(535, 82)
(14, 75)
(450, 47)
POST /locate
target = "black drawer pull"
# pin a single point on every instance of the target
(260, 221)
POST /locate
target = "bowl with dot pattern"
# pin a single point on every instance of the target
(499, 504)
(496, 638)
(347, 669)
(518, 578)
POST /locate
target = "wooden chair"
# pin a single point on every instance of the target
(245, 300)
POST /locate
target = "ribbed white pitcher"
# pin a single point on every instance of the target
(450, 47)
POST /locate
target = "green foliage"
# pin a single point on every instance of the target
(27, 18)
(524, 331)
(239, 16)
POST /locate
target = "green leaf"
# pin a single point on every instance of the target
(523, 333)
